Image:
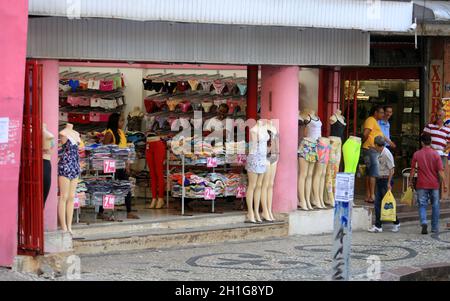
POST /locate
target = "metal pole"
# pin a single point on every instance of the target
(168, 177)
(182, 185)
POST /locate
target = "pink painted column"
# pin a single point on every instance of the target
(279, 100)
(13, 41)
(50, 113)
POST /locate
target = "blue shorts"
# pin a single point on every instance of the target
(370, 157)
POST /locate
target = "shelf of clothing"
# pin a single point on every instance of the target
(183, 165)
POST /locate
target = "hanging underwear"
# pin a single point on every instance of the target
(230, 86)
(242, 89)
(194, 84)
(185, 106)
(83, 84)
(218, 86)
(207, 106)
(74, 84)
(197, 106)
(147, 84)
(182, 86)
(157, 86)
(170, 87)
(206, 85)
(161, 120)
(172, 104)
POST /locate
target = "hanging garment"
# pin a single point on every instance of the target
(206, 85)
(242, 89)
(157, 86)
(170, 87)
(147, 84)
(230, 86)
(182, 86)
(194, 84)
(219, 86)
(47, 169)
(135, 123)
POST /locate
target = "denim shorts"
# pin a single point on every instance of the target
(371, 160)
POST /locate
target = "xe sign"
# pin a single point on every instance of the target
(435, 84)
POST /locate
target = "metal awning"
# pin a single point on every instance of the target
(432, 11)
(391, 16)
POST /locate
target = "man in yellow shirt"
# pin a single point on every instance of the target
(371, 130)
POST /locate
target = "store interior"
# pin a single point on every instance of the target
(404, 97)
(152, 98)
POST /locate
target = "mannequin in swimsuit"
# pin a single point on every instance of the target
(67, 180)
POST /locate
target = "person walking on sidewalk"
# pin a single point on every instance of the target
(383, 183)
(430, 173)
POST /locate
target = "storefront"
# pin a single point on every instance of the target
(127, 39)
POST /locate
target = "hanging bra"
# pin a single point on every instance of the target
(218, 86)
(242, 89)
(185, 106)
(194, 84)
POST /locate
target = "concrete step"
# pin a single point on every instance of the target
(414, 216)
(165, 238)
(173, 222)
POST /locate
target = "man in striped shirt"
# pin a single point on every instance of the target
(440, 139)
(440, 135)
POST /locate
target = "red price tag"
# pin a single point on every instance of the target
(109, 166)
(211, 162)
(241, 191)
(108, 201)
(209, 194)
(241, 159)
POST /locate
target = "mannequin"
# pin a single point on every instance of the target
(269, 176)
(307, 158)
(337, 122)
(68, 172)
(351, 151)
(333, 169)
(155, 154)
(320, 170)
(256, 168)
(48, 142)
(135, 120)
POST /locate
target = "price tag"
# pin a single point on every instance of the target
(241, 191)
(109, 166)
(108, 202)
(76, 203)
(241, 159)
(209, 194)
(211, 162)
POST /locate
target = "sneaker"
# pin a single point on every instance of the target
(396, 228)
(375, 229)
(424, 229)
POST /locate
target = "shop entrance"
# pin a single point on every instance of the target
(400, 88)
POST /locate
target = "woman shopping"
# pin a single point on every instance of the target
(115, 135)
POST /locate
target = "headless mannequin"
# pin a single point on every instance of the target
(333, 169)
(320, 171)
(48, 141)
(269, 176)
(306, 167)
(67, 187)
(337, 116)
(156, 203)
(255, 180)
